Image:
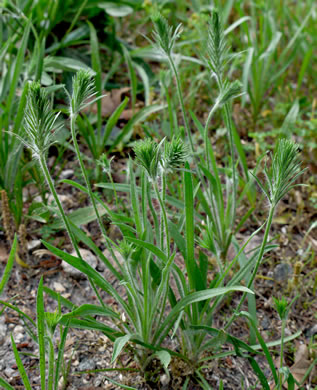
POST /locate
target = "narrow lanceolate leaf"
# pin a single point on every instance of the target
(87, 309)
(51, 361)
(41, 330)
(8, 268)
(189, 212)
(119, 345)
(164, 357)
(199, 296)
(60, 355)
(5, 384)
(17, 70)
(21, 368)
(151, 247)
(86, 269)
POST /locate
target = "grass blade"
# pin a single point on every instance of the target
(9, 265)
(5, 384)
(21, 368)
(60, 356)
(41, 330)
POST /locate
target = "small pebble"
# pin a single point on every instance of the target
(58, 287)
(67, 174)
(312, 331)
(18, 333)
(86, 364)
(9, 372)
(33, 244)
(282, 272)
(87, 256)
(3, 328)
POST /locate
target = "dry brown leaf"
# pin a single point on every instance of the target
(302, 363)
(109, 102)
(300, 366)
(3, 254)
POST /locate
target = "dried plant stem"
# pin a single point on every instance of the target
(6, 216)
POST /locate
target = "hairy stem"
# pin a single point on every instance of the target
(258, 262)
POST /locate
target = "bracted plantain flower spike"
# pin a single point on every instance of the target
(175, 154)
(83, 91)
(285, 169)
(40, 121)
(163, 34)
(217, 48)
(148, 154)
(105, 163)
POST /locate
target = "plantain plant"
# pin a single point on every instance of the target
(143, 262)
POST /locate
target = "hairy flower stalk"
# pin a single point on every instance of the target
(285, 170)
(157, 164)
(164, 41)
(40, 127)
(83, 90)
(82, 95)
(217, 51)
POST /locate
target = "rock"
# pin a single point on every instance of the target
(58, 287)
(3, 328)
(34, 244)
(87, 364)
(282, 272)
(63, 199)
(311, 331)
(87, 256)
(118, 255)
(9, 372)
(164, 379)
(67, 174)
(265, 323)
(18, 333)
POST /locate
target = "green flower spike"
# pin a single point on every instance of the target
(40, 121)
(175, 154)
(83, 91)
(217, 48)
(148, 154)
(285, 169)
(163, 34)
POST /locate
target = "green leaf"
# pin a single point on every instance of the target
(88, 309)
(119, 345)
(120, 384)
(263, 344)
(259, 373)
(60, 356)
(151, 247)
(89, 272)
(164, 357)
(18, 311)
(200, 296)
(41, 330)
(60, 64)
(191, 266)
(114, 119)
(126, 132)
(17, 71)
(21, 368)
(116, 10)
(9, 265)
(5, 384)
(81, 216)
